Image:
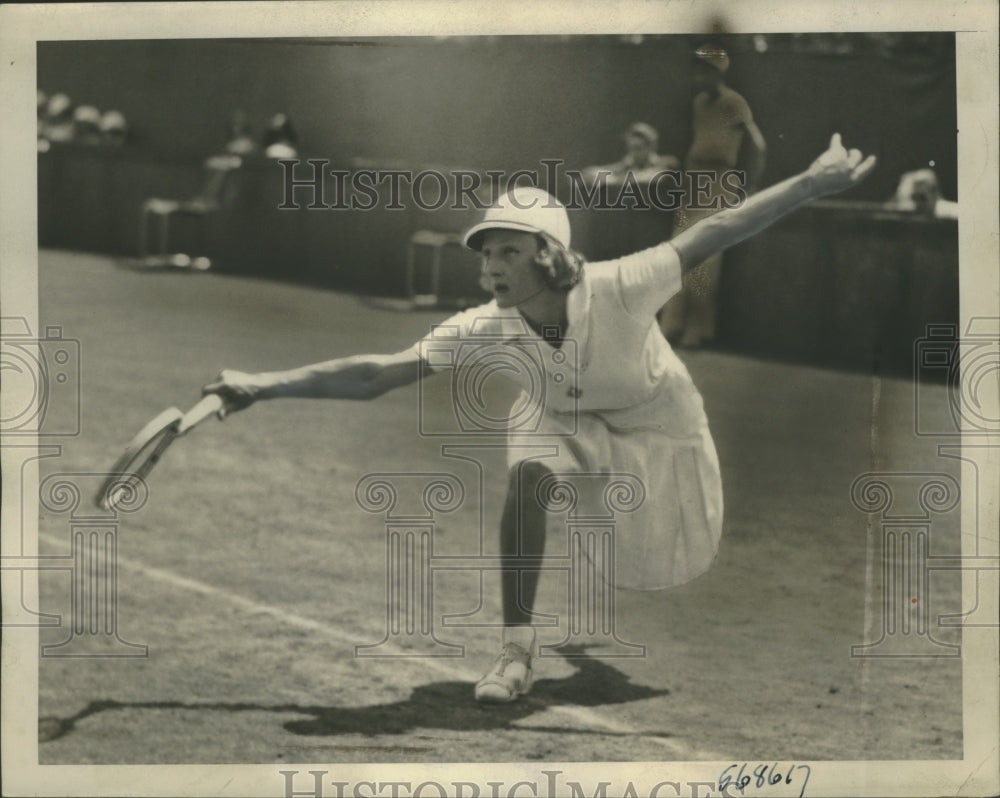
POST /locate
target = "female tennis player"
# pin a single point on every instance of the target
(624, 404)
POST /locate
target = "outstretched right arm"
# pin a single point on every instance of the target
(354, 377)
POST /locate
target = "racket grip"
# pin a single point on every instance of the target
(213, 404)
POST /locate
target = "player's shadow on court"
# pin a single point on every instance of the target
(446, 705)
(440, 705)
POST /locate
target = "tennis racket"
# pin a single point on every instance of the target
(145, 450)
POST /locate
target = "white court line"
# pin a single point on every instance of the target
(581, 715)
(869, 617)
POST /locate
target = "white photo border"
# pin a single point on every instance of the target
(21, 27)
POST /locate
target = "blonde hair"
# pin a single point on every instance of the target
(562, 268)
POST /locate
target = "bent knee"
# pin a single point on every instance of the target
(531, 473)
(528, 481)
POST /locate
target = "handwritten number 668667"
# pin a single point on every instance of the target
(760, 776)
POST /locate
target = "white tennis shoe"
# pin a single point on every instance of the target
(511, 675)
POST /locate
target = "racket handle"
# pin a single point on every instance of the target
(212, 404)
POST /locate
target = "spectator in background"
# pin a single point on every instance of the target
(57, 124)
(240, 141)
(43, 101)
(87, 125)
(114, 129)
(617, 233)
(280, 140)
(920, 193)
(641, 157)
(724, 138)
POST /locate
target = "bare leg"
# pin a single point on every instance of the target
(522, 545)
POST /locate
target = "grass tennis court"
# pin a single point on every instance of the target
(252, 573)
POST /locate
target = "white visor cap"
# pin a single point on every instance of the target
(527, 210)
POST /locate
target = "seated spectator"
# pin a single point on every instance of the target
(280, 140)
(641, 157)
(43, 101)
(114, 128)
(87, 125)
(920, 193)
(240, 141)
(57, 124)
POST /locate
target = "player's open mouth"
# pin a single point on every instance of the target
(500, 288)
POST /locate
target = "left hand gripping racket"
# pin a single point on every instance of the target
(144, 451)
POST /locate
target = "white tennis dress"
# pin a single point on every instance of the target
(612, 400)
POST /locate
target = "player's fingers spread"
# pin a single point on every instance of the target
(865, 168)
(835, 142)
